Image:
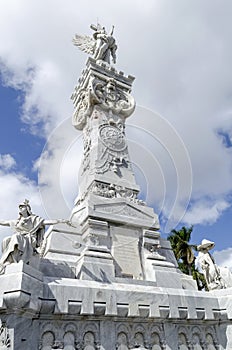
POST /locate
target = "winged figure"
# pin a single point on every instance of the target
(101, 45)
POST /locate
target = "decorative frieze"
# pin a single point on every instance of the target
(69, 335)
(197, 338)
(114, 191)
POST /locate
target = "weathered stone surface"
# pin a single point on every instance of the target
(133, 312)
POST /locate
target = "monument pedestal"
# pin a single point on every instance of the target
(66, 313)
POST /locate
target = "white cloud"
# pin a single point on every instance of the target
(223, 258)
(205, 211)
(7, 162)
(58, 170)
(181, 57)
(15, 187)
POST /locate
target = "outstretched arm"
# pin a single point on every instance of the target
(54, 222)
(5, 223)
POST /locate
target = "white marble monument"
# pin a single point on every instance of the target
(104, 279)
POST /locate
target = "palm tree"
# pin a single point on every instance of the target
(184, 254)
(182, 249)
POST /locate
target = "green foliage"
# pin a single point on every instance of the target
(183, 250)
(200, 279)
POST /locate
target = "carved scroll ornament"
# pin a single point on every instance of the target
(107, 94)
(113, 98)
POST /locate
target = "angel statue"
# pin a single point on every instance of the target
(102, 45)
(27, 238)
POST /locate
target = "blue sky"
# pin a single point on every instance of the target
(15, 136)
(181, 58)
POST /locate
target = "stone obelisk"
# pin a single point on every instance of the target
(115, 223)
(118, 233)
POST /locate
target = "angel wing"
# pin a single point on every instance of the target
(85, 43)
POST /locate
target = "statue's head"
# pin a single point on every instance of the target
(26, 205)
(205, 245)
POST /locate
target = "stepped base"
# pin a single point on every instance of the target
(133, 312)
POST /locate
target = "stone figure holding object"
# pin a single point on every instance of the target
(27, 238)
(207, 264)
(102, 45)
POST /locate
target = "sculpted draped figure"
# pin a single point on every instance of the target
(207, 264)
(102, 45)
(27, 238)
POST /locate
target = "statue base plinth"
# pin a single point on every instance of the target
(96, 263)
(21, 287)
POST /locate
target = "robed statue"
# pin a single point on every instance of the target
(28, 236)
(207, 265)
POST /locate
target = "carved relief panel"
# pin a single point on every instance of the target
(197, 338)
(111, 96)
(156, 342)
(89, 341)
(107, 92)
(211, 343)
(5, 341)
(69, 336)
(85, 335)
(47, 340)
(122, 341)
(112, 150)
(182, 342)
(138, 336)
